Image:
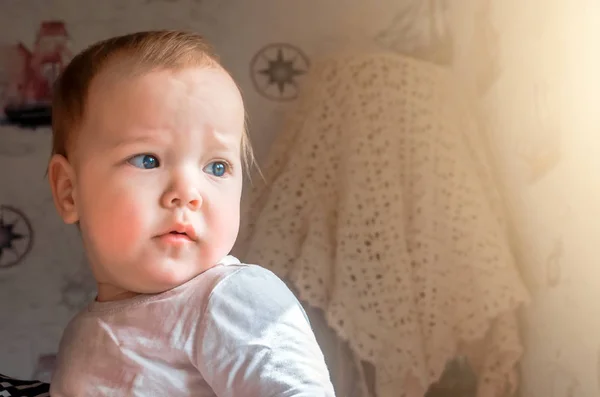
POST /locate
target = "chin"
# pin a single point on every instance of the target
(162, 275)
(165, 283)
(174, 274)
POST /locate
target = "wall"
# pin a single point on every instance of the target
(544, 123)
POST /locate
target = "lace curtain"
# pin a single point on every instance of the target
(380, 208)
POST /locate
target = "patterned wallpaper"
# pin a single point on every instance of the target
(524, 58)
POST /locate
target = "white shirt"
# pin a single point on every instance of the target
(234, 330)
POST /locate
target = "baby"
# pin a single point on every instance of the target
(149, 152)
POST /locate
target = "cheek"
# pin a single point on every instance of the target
(224, 232)
(229, 222)
(112, 216)
(225, 221)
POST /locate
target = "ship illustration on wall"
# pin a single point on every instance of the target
(27, 76)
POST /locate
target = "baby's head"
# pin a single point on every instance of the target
(149, 149)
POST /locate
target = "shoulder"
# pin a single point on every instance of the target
(75, 325)
(241, 284)
(254, 285)
(231, 275)
(253, 298)
(249, 278)
(252, 307)
(255, 339)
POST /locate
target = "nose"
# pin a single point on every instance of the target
(182, 193)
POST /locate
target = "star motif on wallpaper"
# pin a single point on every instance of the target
(281, 71)
(15, 236)
(276, 70)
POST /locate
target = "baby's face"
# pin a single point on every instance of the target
(159, 177)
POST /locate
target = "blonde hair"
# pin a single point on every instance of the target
(142, 52)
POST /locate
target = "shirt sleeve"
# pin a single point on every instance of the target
(255, 340)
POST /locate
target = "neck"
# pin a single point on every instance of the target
(109, 293)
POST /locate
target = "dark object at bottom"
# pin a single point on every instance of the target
(458, 380)
(29, 116)
(22, 388)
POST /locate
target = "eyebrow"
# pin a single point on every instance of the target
(221, 142)
(129, 140)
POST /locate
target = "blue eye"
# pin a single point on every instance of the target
(144, 161)
(217, 168)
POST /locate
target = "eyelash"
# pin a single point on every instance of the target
(142, 156)
(227, 164)
(227, 171)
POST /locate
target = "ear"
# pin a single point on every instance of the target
(62, 182)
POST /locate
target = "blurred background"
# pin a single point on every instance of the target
(531, 68)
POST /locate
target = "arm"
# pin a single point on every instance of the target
(255, 341)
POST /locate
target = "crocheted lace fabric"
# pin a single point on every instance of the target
(380, 209)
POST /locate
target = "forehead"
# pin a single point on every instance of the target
(194, 98)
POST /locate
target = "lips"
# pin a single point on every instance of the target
(179, 233)
(175, 238)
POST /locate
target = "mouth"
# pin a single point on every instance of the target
(183, 234)
(180, 233)
(175, 238)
